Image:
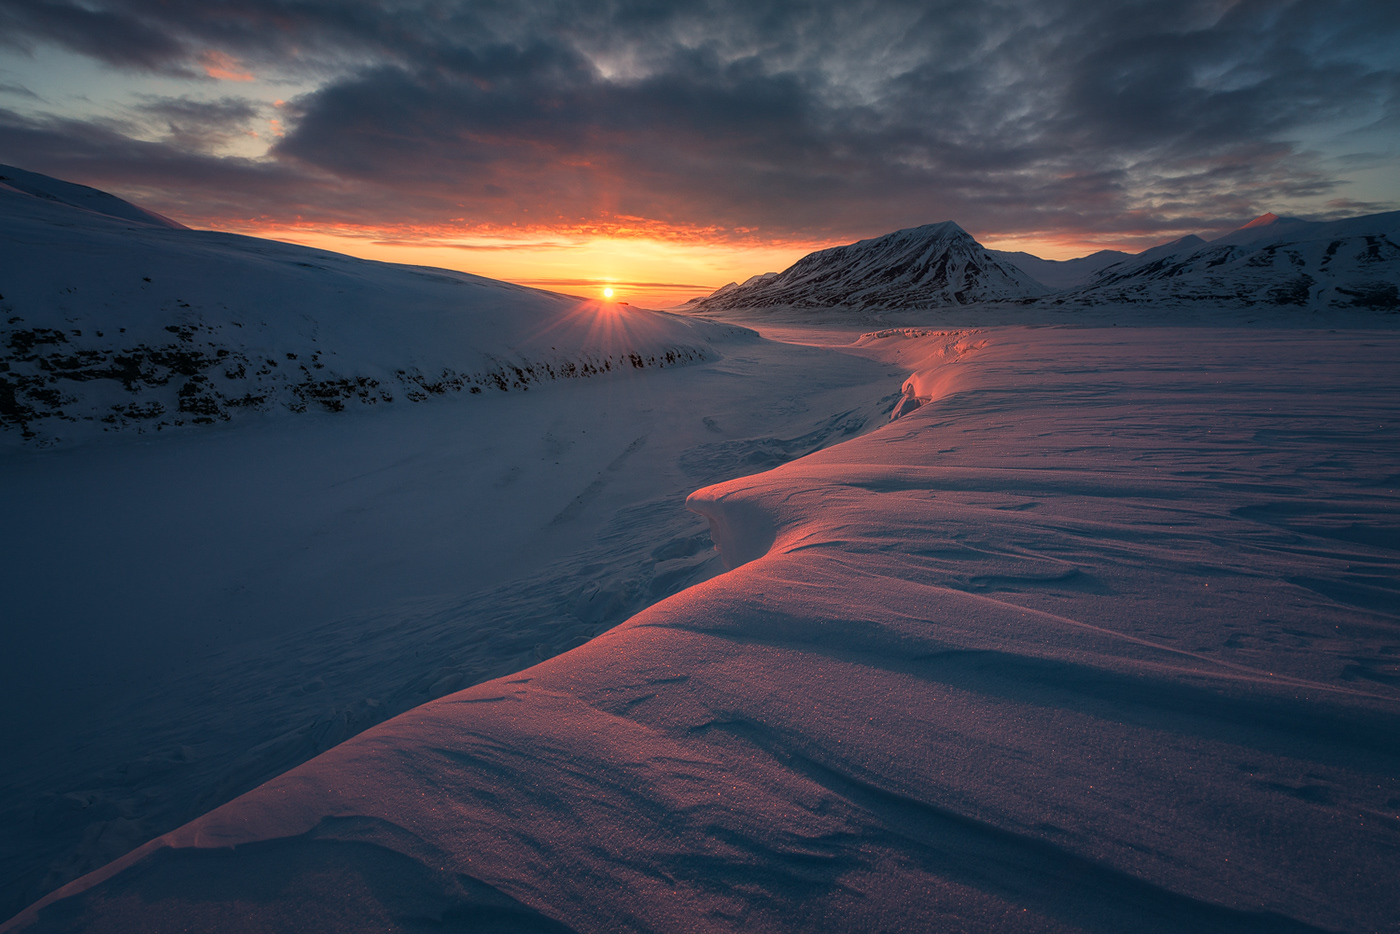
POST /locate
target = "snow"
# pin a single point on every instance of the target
(936, 264)
(189, 614)
(112, 326)
(1281, 269)
(1101, 637)
(1004, 628)
(1061, 274)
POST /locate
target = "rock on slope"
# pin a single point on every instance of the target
(921, 267)
(114, 318)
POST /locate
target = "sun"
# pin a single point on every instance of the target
(607, 293)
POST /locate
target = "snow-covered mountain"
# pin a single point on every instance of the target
(1271, 261)
(112, 318)
(921, 267)
(1350, 264)
(1062, 273)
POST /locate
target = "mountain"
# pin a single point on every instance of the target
(921, 267)
(1271, 261)
(114, 318)
(1266, 226)
(1061, 274)
(1351, 264)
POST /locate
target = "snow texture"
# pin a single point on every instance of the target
(1008, 628)
(1100, 637)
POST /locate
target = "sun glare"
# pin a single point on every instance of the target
(607, 293)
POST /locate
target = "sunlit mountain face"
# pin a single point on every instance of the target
(663, 151)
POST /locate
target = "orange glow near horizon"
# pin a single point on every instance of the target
(650, 266)
(658, 269)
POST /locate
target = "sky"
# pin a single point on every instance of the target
(667, 148)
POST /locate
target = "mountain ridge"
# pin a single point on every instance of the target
(1352, 263)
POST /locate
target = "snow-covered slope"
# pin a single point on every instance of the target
(921, 267)
(1099, 637)
(189, 615)
(1064, 273)
(112, 318)
(1348, 264)
(82, 197)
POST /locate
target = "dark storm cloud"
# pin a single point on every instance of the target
(794, 118)
(106, 32)
(162, 175)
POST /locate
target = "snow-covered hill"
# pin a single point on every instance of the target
(1271, 261)
(921, 267)
(114, 318)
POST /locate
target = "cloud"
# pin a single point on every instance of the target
(222, 66)
(198, 125)
(107, 32)
(18, 90)
(785, 119)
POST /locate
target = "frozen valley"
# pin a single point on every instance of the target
(1102, 633)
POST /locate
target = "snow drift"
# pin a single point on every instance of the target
(1102, 638)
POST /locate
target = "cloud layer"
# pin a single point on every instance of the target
(737, 118)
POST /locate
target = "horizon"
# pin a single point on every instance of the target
(390, 546)
(663, 153)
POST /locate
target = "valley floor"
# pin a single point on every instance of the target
(1102, 635)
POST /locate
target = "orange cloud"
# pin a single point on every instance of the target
(223, 66)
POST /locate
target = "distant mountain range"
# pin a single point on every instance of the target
(1279, 261)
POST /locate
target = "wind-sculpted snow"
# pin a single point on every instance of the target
(1102, 638)
(189, 615)
(109, 322)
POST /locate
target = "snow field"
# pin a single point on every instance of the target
(1102, 636)
(190, 614)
